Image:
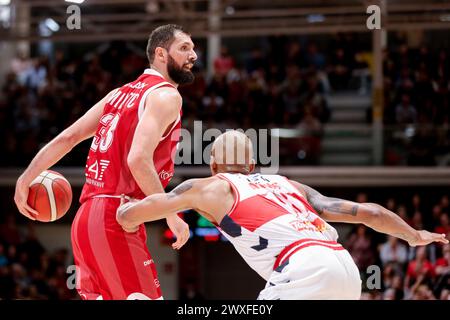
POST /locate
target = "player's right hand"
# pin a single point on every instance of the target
(21, 197)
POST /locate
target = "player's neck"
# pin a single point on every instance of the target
(165, 74)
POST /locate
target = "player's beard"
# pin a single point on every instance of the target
(177, 73)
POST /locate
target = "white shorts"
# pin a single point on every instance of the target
(315, 273)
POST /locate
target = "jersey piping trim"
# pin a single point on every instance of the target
(287, 252)
(146, 93)
(171, 129)
(236, 192)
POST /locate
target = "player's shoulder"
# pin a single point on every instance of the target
(165, 94)
(211, 186)
(164, 100)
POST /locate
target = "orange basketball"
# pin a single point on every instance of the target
(51, 195)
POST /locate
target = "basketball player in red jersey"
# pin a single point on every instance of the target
(277, 225)
(135, 130)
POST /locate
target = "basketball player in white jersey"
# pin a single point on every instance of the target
(277, 225)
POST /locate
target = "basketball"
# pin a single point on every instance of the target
(51, 195)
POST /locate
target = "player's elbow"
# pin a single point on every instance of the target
(121, 216)
(124, 216)
(135, 161)
(67, 138)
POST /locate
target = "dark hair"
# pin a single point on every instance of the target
(163, 36)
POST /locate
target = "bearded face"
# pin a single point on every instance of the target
(180, 74)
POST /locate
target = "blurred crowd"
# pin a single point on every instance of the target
(27, 269)
(259, 88)
(417, 102)
(407, 273)
(416, 83)
(41, 97)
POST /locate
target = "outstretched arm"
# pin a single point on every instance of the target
(158, 206)
(372, 215)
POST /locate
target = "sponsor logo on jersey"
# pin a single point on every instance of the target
(164, 175)
(148, 262)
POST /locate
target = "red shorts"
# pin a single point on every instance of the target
(110, 263)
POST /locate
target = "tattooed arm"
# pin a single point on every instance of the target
(372, 215)
(156, 206)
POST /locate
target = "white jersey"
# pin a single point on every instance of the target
(270, 220)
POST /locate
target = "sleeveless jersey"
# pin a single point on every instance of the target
(269, 214)
(107, 172)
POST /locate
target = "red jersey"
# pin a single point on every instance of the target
(107, 171)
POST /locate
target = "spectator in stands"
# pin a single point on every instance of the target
(291, 101)
(442, 69)
(397, 284)
(314, 57)
(3, 258)
(340, 69)
(9, 231)
(315, 99)
(224, 62)
(405, 83)
(32, 247)
(360, 247)
(7, 285)
(362, 197)
(403, 213)
(36, 76)
(442, 265)
(423, 87)
(445, 206)
(444, 226)
(421, 151)
(311, 132)
(420, 271)
(445, 294)
(435, 216)
(389, 272)
(422, 292)
(394, 252)
(394, 288)
(416, 203)
(391, 204)
(212, 105)
(405, 112)
(256, 61)
(417, 220)
(12, 255)
(21, 66)
(389, 294)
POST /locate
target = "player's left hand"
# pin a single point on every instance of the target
(425, 237)
(180, 229)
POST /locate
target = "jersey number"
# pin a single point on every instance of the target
(104, 138)
(285, 201)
